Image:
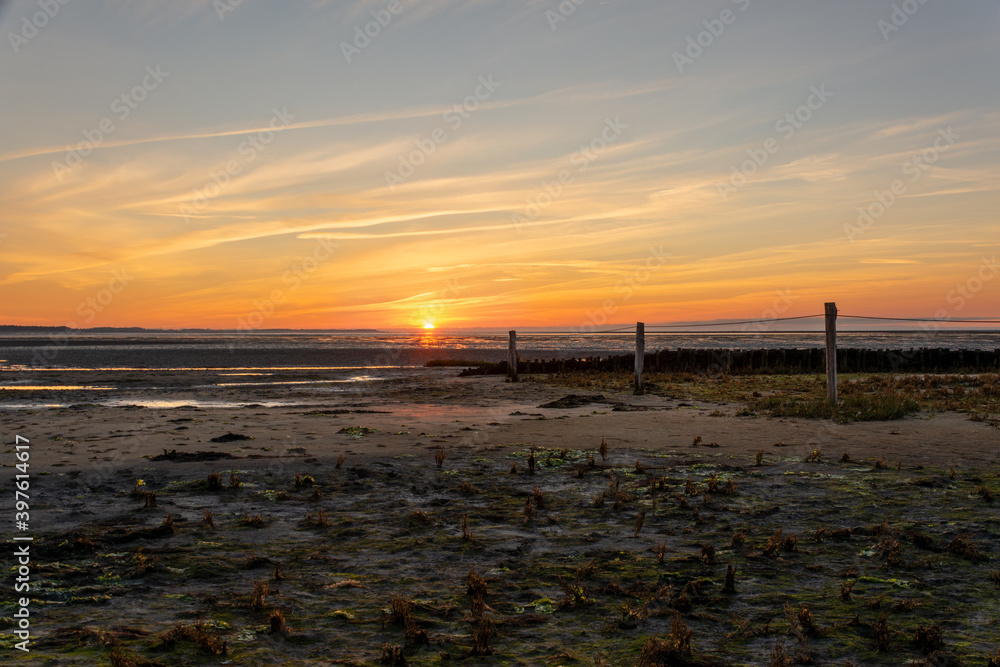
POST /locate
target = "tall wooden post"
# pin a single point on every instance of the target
(512, 358)
(640, 354)
(831, 352)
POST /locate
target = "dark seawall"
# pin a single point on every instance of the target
(777, 361)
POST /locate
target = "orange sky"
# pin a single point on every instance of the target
(477, 165)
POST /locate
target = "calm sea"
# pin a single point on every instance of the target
(266, 350)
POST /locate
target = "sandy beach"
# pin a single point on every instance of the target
(331, 533)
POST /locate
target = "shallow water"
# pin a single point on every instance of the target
(255, 352)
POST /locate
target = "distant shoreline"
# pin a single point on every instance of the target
(19, 329)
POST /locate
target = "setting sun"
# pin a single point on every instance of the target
(428, 325)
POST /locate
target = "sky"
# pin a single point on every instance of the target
(496, 163)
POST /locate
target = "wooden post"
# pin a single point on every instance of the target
(640, 354)
(831, 352)
(512, 358)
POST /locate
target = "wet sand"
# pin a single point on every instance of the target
(338, 539)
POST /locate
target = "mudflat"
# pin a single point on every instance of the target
(429, 518)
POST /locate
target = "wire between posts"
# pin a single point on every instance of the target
(653, 327)
(973, 320)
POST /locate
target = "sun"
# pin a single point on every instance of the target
(428, 325)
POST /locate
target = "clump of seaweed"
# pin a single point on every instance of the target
(675, 650)
(254, 521)
(816, 456)
(277, 623)
(529, 511)
(482, 634)
(603, 450)
(779, 658)
(890, 550)
(197, 633)
(881, 463)
(319, 519)
(539, 498)
(660, 551)
(882, 633)
(730, 488)
(985, 493)
(531, 462)
(234, 480)
(774, 543)
(419, 517)
(708, 554)
(845, 590)
(476, 585)
(261, 591)
(758, 459)
(482, 627)
(963, 547)
(729, 585)
(738, 540)
(439, 457)
(401, 612)
(144, 564)
(214, 482)
(303, 480)
(639, 520)
(393, 655)
(466, 533)
(467, 489)
(340, 462)
(207, 520)
(577, 593)
(712, 484)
